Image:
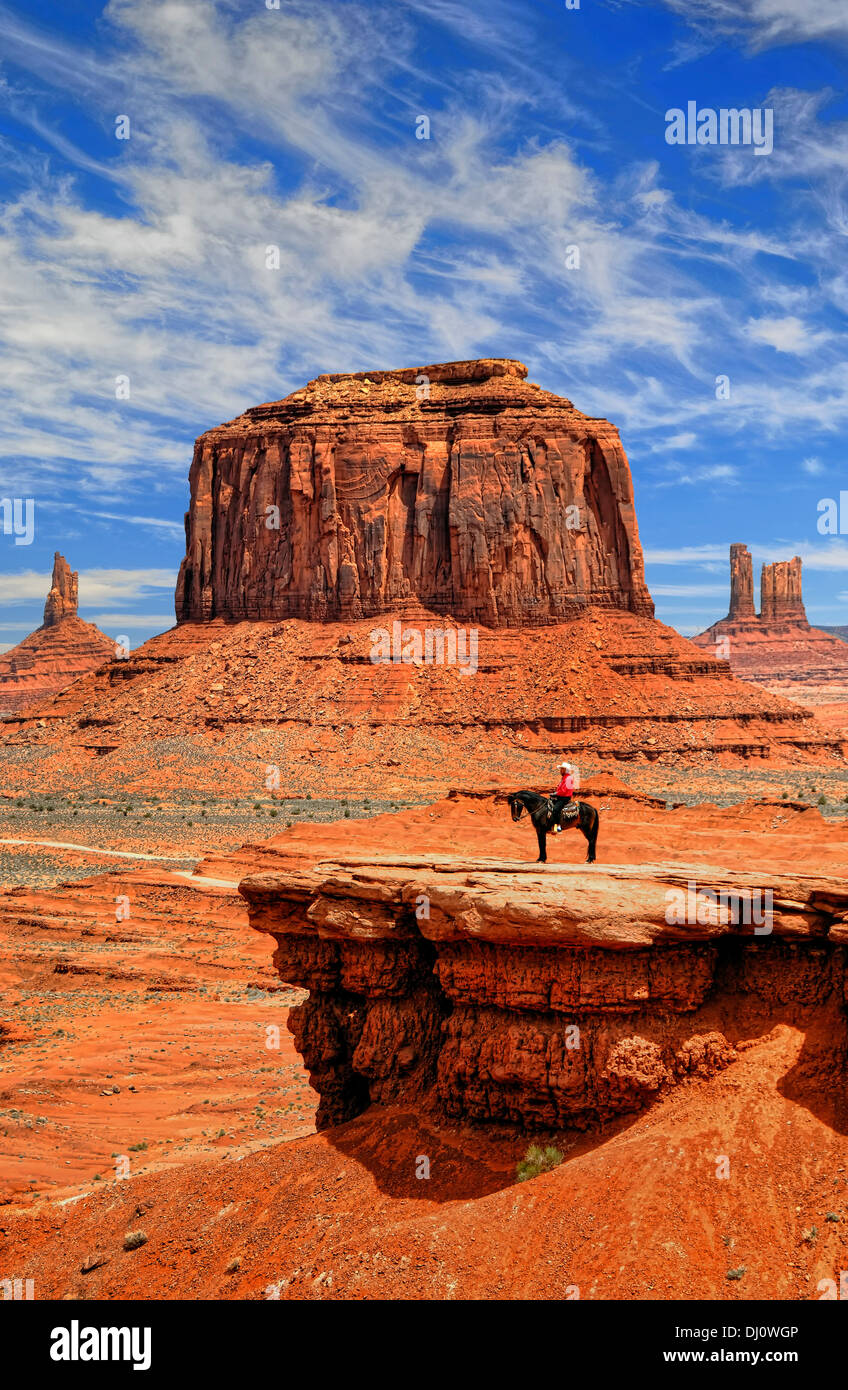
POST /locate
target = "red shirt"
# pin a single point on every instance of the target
(566, 786)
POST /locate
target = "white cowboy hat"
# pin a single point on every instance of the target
(564, 764)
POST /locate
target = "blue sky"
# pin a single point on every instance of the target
(296, 127)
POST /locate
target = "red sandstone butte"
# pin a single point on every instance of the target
(429, 495)
(461, 487)
(57, 653)
(778, 645)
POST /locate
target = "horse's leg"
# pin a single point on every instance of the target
(592, 836)
(542, 836)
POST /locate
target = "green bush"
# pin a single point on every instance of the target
(538, 1160)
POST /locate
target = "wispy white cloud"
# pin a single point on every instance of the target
(114, 622)
(831, 556)
(687, 590)
(391, 249)
(95, 585)
(763, 23)
(787, 334)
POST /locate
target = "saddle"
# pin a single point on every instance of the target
(570, 812)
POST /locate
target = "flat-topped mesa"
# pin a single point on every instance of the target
(62, 601)
(741, 583)
(780, 592)
(459, 487)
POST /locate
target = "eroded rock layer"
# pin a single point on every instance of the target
(56, 654)
(777, 645)
(461, 487)
(542, 999)
(309, 699)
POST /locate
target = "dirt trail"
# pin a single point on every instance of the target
(97, 849)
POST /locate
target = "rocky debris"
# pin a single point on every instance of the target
(460, 487)
(111, 1055)
(491, 991)
(56, 654)
(297, 698)
(734, 1047)
(778, 645)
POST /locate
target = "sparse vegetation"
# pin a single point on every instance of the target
(538, 1160)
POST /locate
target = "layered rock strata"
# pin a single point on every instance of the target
(780, 592)
(461, 487)
(57, 653)
(492, 992)
(607, 684)
(778, 644)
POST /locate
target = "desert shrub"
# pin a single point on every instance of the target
(133, 1239)
(538, 1160)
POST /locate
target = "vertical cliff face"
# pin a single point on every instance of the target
(535, 999)
(741, 583)
(780, 592)
(62, 600)
(459, 487)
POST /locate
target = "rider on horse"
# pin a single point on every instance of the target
(561, 802)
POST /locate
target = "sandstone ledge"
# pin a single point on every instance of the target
(491, 990)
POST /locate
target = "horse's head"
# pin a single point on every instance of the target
(516, 806)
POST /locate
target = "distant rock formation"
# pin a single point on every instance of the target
(741, 583)
(780, 592)
(779, 644)
(57, 653)
(63, 597)
(459, 487)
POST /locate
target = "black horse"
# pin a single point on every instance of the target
(541, 815)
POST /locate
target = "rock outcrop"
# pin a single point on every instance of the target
(410, 503)
(57, 653)
(459, 487)
(492, 992)
(778, 645)
(63, 599)
(780, 592)
(741, 583)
